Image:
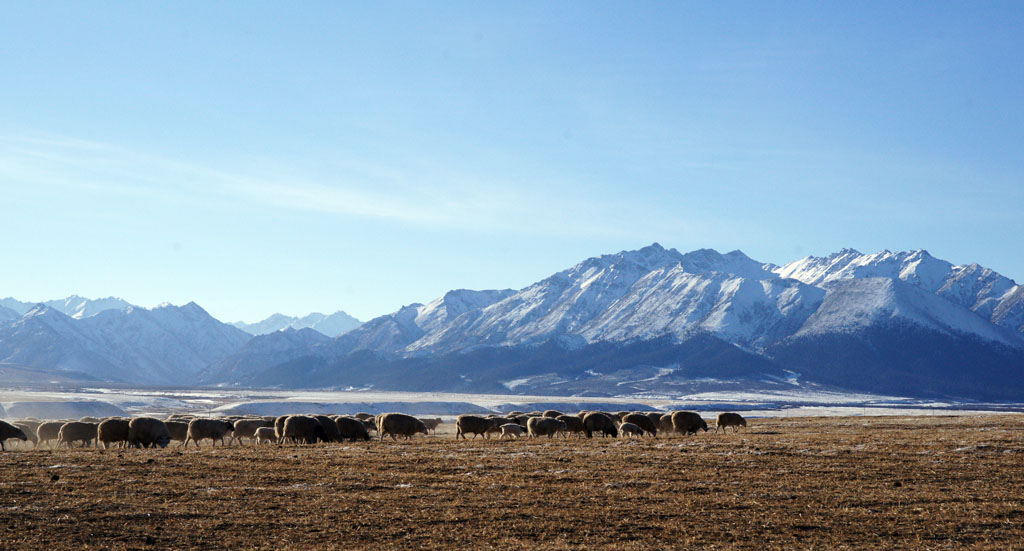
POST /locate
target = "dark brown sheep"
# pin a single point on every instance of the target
(597, 421)
(665, 423)
(111, 432)
(553, 413)
(432, 423)
(688, 422)
(473, 424)
(729, 419)
(304, 428)
(178, 430)
(331, 432)
(77, 431)
(573, 424)
(400, 424)
(351, 428)
(148, 432)
(7, 431)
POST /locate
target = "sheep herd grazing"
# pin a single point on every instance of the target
(148, 432)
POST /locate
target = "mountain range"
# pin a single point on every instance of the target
(331, 325)
(651, 321)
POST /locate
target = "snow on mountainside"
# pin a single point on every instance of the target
(853, 304)
(655, 292)
(981, 290)
(332, 325)
(74, 305)
(165, 345)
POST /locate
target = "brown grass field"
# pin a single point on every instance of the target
(802, 483)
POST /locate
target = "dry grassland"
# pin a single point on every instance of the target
(835, 483)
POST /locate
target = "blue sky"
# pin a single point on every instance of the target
(257, 158)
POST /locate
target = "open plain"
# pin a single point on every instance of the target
(807, 483)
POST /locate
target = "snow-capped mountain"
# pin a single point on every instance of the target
(649, 320)
(165, 345)
(990, 295)
(655, 292)
(330, 325)
(74, 305)
(659, 295)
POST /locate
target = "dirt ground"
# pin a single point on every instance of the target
(802, 483)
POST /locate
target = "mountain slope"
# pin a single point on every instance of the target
(981, 290)
(658, 298)
(165, 345)
(330, 325)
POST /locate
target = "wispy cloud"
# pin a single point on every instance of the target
(417, 191)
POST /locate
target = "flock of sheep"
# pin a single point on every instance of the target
(147, 432)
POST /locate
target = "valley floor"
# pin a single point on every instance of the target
(932, 482)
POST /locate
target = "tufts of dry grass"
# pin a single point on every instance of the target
(834, 483)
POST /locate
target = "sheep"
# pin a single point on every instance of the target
(471, 424)
(432, 424)
(148, 432)
(112, 431)
(89, 419)
(265, 435)
(655, 417)
(48, 431)
(214, 429)
(573, 423)
(77, 431)
(399, 424)
(32, 425)
(363, 416)
(246, 428)
(29, 428)
(178, 430)
(597, 421)
(665, 422)
(552, 413)
(618, 415)
(642, 421)
(629, 429)
(540, 426)
(511, 430)
(350, 428)
(688, 422)
(729, 419)
(279, 427)
(304, 428)
(331, 431)
(8, 430)
(369, 424)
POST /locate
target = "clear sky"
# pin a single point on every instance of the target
(260, 158)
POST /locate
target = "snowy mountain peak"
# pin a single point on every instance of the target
(651, 257)
(708, 261)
